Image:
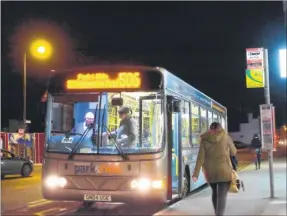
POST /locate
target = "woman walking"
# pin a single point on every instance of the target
(215, 150)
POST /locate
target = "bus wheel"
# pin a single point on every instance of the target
(186, 185)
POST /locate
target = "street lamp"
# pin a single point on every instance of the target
(39, 49)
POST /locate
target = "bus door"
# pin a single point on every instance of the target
(175, 151)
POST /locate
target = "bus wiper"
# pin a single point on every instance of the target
(72, 153)
(123, 155)
(94, 125)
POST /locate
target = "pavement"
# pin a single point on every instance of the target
(23, 196)
(255, 200)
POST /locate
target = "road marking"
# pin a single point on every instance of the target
(38, 203)
(42, 213)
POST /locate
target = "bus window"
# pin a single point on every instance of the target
(195, 124)
(152, 121)
(62, 117)
(113, 122)
(223, 123)
(209, 118)
(203, 114)
(185, 124)
(215, 118)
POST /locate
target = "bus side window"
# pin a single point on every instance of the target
(215, 118)
(223, 124)
(195, 125)
(209, 118)
(203, 120)
(185, 124)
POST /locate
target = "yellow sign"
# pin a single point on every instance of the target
(124, 80)
(254, 78)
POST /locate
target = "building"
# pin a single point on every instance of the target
(247, 130)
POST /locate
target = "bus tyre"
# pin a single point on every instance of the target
(186, 185)
(26, 170)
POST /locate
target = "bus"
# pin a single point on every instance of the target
(87, 166)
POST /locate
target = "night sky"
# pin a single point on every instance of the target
(201, 42)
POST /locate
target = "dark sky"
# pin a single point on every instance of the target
(202, 42)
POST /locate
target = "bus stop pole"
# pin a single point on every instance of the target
(267, 101)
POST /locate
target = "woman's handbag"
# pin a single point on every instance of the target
(236, 184)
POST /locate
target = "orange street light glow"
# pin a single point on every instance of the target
(41, 49)
(124, 80)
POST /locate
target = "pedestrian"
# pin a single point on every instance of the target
(256, 148)
(215, 150)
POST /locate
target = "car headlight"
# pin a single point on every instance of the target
(146, 184)
(55, 181)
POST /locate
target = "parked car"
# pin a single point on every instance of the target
(13, 165)
(240, 145)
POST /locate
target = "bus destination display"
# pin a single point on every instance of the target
(123, 80)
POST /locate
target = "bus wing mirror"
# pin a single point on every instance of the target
(117, 101)
(176, 106)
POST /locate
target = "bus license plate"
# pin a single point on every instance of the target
(102, 198)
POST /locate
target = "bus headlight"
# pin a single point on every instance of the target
(146, 184)
(55, 181)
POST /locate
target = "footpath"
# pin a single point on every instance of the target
(253, 201)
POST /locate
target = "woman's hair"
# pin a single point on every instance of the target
(215, 126)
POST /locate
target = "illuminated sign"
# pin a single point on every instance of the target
(124, 80)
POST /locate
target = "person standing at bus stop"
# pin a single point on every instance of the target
(256, 146)
(215, 150)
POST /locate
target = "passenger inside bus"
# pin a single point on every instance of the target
(126, 134)
(81, 127)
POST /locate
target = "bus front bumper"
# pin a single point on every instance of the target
(133, 196)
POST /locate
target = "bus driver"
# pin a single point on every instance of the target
(126, 133)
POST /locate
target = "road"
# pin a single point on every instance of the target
(22, 196)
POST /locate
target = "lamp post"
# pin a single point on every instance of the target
(39, 49)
